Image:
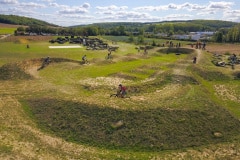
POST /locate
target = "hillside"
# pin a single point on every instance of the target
(209, 24)
(20, 20)
(201, 24)
(176, 110)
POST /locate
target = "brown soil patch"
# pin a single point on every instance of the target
(28, 38)
(223, 48)
(227, 93)
(4, 25)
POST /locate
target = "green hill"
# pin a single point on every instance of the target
(20, 20)
(198, 24)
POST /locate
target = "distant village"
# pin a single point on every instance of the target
(195, 36)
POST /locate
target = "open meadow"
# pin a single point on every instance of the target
(176, 110)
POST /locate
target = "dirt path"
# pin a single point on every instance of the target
(199, 55)
(5, 36)
(180, 66)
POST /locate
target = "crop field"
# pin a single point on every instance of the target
(175, 109)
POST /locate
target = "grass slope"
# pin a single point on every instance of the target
(150, 129)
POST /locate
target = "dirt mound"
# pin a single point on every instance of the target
(27, 69)
(13, 71)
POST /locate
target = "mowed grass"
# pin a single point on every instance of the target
(107, 69)
(173, 103)
(7, 30)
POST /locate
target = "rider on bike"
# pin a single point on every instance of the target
(122, 90)
(84, 58)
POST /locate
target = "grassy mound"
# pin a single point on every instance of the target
(176, 50)
(150, 129)
(18, 70)
(13, 72)
(211, 75)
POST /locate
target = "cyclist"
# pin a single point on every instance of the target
(109, 55)
(47, 60)
(122, 90)
(84, 59)
(195, 60)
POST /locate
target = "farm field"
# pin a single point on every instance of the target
(176, 110)
(7, 29)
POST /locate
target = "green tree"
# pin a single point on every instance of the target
(141, 39)
(131, 38)
(20, 29)
(154, 43)
(121, 31)
(218, 36)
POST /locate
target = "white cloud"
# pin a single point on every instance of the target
(112, 7)
(86, 5)
(173, 6)
(189, 6)
(8, 2)
(73, 10)
(22, 11)
(47, 1)
(178, 17)
(208, 13)
(56, 5)
(32, 5)
(151, 8)
(220, 5)
(232, 15)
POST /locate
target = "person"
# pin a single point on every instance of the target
(145, 50)
(204, 46)
(122, 90)
(84, 58)
(47, 60)
(195, 60)
(233, 58)
(109, 55)
(192, 45)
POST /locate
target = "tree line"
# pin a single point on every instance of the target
(225, 31)
(229, 34)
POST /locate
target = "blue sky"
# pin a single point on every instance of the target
(76, 12)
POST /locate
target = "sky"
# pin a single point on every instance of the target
(78, 12)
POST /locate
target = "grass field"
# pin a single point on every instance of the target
(7, 28)
(176, 110)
